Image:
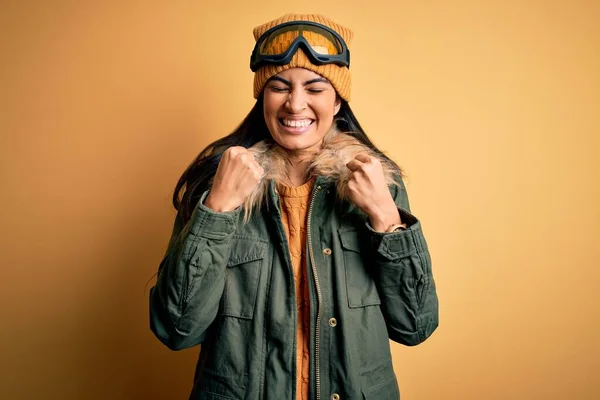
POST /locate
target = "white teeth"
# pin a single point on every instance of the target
(297, 123)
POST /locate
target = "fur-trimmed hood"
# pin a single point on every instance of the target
(338, 149)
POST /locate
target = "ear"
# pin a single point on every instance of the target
(337, 105)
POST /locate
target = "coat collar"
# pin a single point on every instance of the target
(329, 166)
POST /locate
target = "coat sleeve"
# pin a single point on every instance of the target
(404, 277)
(191, 277)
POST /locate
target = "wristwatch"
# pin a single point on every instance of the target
(396, 228)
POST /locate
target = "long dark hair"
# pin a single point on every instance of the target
(196, 178)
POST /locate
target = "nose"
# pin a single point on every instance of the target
(296, 101)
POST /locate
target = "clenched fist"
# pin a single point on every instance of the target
(369, 192)
(237, 175)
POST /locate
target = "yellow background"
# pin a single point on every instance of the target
(490, 106)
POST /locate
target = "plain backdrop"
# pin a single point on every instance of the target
(490, 106)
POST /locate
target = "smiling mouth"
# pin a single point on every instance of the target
(295, 124)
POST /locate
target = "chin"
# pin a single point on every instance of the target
(299, 143)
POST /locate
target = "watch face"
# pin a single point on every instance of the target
(396, 228)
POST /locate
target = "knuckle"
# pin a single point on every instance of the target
(233, 150)
(240, 151)
(246, 158)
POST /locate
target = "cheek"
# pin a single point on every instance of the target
(270, 111)
(326, 104)
(270, 105)
(326, 112)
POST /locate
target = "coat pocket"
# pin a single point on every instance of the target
(362, 291)
(242, 276)
(387, 390)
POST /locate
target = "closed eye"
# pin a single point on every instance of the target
(279, 89)
(315, 90)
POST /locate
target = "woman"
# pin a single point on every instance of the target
(294, 256)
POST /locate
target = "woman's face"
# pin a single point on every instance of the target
(299, 107)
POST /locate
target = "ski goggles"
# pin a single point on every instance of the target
(321, 44)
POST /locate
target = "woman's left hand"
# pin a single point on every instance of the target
(369, 192)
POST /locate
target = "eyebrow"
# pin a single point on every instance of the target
(288, 83)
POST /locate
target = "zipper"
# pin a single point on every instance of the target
(314, 271)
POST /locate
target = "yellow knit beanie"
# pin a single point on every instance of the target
(339, 76)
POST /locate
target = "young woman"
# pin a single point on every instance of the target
(294, 256)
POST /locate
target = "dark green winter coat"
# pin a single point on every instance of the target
(228, 284)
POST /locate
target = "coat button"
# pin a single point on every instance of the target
(335, 396)
(332, 322)
(327, 251)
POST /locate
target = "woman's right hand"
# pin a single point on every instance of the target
(237, 175)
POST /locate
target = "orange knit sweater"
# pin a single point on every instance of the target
(294, 207)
